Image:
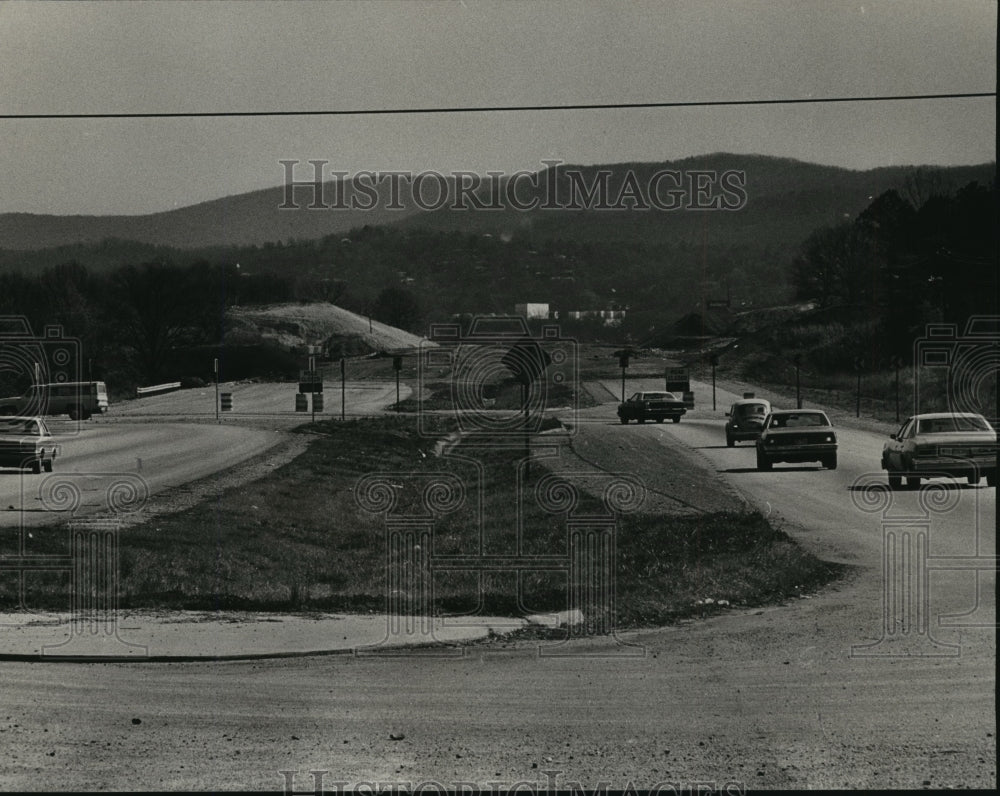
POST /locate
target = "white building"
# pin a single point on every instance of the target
(532, 310)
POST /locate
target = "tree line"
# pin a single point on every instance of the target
(905, 265)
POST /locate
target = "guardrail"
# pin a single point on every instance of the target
(157, 389)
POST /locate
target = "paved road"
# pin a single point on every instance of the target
(272, 401)
(768, 698)
(165, 441)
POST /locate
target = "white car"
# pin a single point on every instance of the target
(25, 442)
(956, 444)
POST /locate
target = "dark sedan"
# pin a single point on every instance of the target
(658, 406)
(797, 435)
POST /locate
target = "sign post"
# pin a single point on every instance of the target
(526, 360)
(677, 379)
(623, 363)
(311, 383)
(798, 393)
(715, 362)
(397, 365)
(859, 365)
(216, 371)
(343, 387)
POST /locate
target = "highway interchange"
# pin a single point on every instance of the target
(826, 691)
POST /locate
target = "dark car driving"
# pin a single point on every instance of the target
(797, 435)
(658, 406)
(746, 419)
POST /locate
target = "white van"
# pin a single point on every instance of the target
(78, 399)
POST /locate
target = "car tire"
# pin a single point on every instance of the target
(830, 462)
(47, 465)
(730, 442)
(641, 419)
(895, 480)
(659, 420)
(991, 478)
(763, 463)
(36, 467)
(677, 419)
(913, 481)
(974, 478)
(624, 420)
(74, 413)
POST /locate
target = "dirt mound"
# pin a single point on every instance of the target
(339, 331)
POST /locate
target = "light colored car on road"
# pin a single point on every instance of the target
(746, 419)
(25, 443)
(78, 399)
(956, 444)
(797, 435)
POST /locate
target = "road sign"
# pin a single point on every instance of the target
(527, 360)
(677, 379)
(310, 381)
(226, 401)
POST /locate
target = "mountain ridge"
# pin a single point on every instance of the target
(774, 184)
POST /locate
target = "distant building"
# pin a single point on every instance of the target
(611, 317)
(530, 311)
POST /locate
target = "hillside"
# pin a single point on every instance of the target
(293, 326)
(785, 200)
(251, 218)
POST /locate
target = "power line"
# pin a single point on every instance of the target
(503, 108)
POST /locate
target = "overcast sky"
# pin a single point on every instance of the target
(231, 57)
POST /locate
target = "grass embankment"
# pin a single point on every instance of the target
(298, 540)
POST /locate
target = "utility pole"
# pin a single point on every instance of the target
(798, 392)
(343, 387)
(715, 362)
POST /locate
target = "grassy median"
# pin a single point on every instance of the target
(300, 540)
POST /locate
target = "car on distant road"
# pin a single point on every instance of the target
(25, 442)
(746, 419)
(797, 435)
(658, 406)
(956, 444)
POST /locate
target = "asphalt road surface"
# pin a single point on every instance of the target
(828, 691)
(165, 441)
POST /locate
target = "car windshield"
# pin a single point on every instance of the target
(20, 427)
(748, 410)
(943, 425)
(799, 419)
